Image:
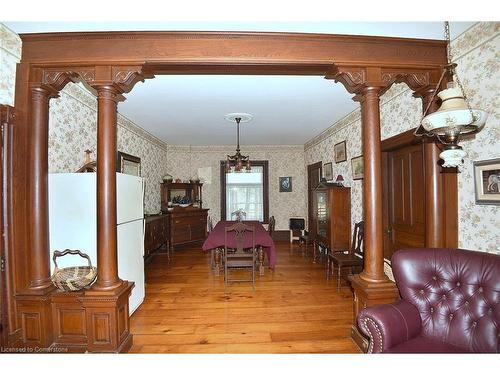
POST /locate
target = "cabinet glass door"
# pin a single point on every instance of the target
(322, 216)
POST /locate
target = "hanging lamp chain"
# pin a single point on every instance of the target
(238, 119)
(453, 66)
(450, 69)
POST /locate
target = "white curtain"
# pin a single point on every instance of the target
(245, 191)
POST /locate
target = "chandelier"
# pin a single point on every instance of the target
(238, 162)
(455, 117)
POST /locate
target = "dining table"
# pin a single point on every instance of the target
(215, 241)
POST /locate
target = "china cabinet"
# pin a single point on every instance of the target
(332, 217)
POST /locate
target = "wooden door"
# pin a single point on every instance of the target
(405, 199)
(313, 178)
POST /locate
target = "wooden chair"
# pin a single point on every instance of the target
(353, 257)
(271, 226)
(240, 257)
(305, 239)
(210, 224)
(210, 228)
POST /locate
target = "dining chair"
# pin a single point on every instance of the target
(240, 257)
(210, 228)
(305, 239)
(350, 258)
(271, 226)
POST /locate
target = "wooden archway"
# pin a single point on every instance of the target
(110, 63)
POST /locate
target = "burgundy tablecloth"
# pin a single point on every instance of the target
(215, 239)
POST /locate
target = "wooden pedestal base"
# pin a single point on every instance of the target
(107, 320)
(87, 321)
(34, 309)
(368, 294)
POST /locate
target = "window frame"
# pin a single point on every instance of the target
(265, 188)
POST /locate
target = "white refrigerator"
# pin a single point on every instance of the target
(73, 224)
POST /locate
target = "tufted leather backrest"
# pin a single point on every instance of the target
(457, 293)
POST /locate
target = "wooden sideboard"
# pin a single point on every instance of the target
(156, 233)
(187, 225)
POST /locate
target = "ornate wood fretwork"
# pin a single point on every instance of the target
(125, 77)
(352, 77)
(356, 78)
(57, 78)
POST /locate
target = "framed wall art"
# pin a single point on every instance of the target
(285, 184)
(328, 169)
(128, 164)
(340, 152)
(357, 168)
(487, 181)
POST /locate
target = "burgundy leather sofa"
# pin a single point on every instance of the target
(450, 303)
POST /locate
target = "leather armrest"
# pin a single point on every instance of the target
(389, 325)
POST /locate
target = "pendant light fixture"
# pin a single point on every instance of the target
(455, 117)
(238, 162)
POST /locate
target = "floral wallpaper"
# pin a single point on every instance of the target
(477, 56)
(72, 130)
(10, 54)
(284, 161)
(349, 130)
(72, 126)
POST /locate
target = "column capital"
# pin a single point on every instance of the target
(120, 78)
(108, 91)
(43, 92)
(368, 93)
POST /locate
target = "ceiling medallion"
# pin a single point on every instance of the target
(238, 162)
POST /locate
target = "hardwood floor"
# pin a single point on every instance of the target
(293, 309)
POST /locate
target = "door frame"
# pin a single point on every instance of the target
(448, 208)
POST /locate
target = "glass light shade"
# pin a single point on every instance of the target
(454, 113)
(452, 157)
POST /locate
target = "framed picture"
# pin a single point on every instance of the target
(357, 168)
(487, 181)
(340, 152)
(128, 164)
(328, 171)
(285, 184)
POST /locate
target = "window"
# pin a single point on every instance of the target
(248, 191)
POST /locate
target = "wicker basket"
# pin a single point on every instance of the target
(70, 279)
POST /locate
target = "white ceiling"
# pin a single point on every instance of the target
(191, 109)
(286, 109)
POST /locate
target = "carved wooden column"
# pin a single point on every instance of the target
(372, 286)
(34, 301)
(107, 253)
(433, 189)
(372, 187)
(38, 160)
